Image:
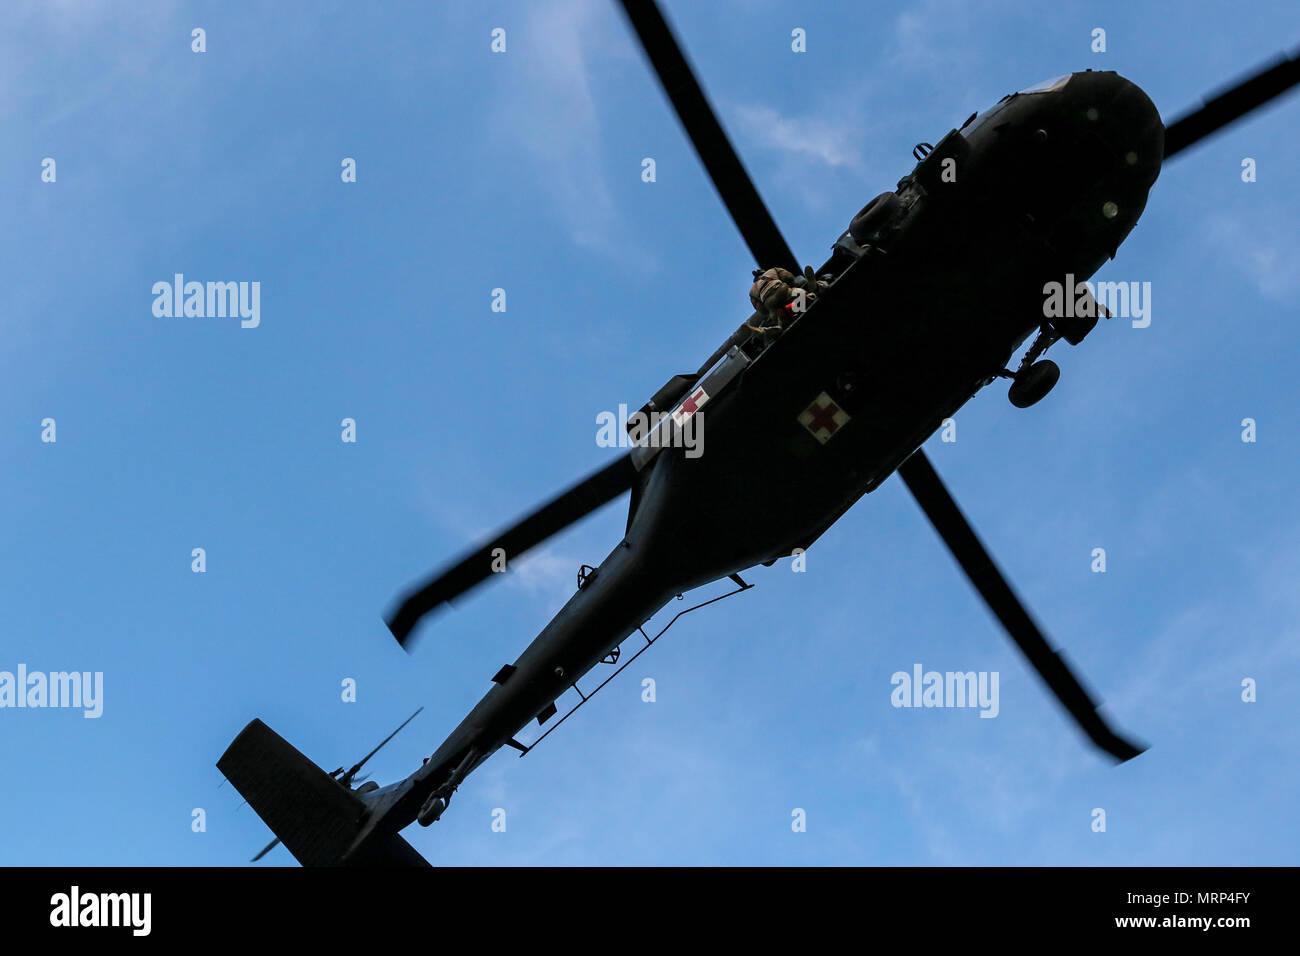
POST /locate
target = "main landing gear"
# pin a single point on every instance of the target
(1030, 385)
(1031, 382)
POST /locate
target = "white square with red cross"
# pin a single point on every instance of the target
(689, 407)
(823, 418)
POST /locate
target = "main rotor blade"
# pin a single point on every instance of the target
(957, 534)
(1233, 104)
(733, 184)
(552, 517)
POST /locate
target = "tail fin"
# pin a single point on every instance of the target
(315, 817)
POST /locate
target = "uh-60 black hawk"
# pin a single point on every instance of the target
(824, 406)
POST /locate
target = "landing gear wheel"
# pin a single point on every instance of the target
(1033, 384)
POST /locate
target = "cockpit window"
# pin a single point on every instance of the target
(974, 124)
(1048, 86)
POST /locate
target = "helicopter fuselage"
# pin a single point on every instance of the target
(931, 292)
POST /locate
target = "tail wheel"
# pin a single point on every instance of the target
(432, 810)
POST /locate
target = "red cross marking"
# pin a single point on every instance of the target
(690, 406)
(823, 416)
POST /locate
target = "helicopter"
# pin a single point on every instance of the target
(808, 406)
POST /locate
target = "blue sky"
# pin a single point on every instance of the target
(522, 171)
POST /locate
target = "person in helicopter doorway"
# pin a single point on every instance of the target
(779, 295)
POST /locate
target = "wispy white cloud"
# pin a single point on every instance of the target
(549, 108)
(1266, 253)
(923, 35)
(1214, 642)
(831, 143)
(545, 573)
(87, 32)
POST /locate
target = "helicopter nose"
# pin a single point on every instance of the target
(1093, 144)
(1117, 112)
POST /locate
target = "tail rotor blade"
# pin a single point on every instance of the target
(346, 779)
(975, 561)
(266, 849)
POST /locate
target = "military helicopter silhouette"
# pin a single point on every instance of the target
(805, 417)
